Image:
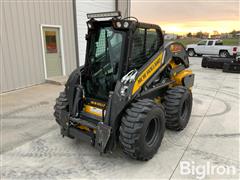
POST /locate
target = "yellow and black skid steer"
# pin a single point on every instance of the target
(130, 88)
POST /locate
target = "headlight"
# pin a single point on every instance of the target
(123, 90)
(89, 25)
(118, 24)
(104, 14)
(125, 24)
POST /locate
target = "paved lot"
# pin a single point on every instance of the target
(34, 149)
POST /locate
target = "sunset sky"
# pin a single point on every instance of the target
(183, 16)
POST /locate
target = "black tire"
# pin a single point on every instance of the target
(142, 129)
(204, 62)
(224, 53)
(226, 67)
(191, 52)
(61, 105)
(178, 107)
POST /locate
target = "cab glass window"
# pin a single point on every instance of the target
(210, 43)
(219, 43)
(202, 43)
(138, 48)
(145, 44)
(152, 43)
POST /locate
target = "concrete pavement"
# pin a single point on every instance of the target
(27, 114)
(34, 149)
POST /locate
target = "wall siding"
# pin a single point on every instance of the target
(124, 6)
(82, 8)
(22, 57)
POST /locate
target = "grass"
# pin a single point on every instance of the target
(233, 42)
(187, 41)
(230, 42)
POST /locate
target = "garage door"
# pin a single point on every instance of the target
(83, 8)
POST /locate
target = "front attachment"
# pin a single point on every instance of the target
(102, 136)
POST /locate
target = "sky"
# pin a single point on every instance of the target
(183, 16)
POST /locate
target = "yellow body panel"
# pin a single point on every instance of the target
(157, 100)
(93, 110)
(179, 77)
(83, 128)
(173, 65)
(147, 73)
(98, 104)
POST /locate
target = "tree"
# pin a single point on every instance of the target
(234, 32)
(199, 34)
(215, 33)
(189, 34)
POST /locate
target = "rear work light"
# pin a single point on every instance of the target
(104, 14)
(234, 51)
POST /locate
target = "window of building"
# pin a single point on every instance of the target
(51, 42)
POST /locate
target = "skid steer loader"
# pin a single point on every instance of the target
(130, 88)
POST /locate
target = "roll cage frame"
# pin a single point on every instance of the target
(129, 32)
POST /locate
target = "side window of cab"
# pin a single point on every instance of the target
(210, 43)
(202, 43)
(145, 44)
(152, 43)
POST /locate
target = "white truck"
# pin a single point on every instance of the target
(211, 47)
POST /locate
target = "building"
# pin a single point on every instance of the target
(215, 36)
(39, 38)
(170, 36)
(95, 6)
(226, 35)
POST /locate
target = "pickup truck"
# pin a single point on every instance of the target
(211, 47)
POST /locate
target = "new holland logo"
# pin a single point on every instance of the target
(147, 73)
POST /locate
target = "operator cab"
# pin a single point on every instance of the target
(115, 47)
(121, 91)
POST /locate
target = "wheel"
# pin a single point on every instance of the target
(191, 52)
(224, 54)
(61, 105)
(204, 62)
(226, 67)
(142, 129)
(178, 107)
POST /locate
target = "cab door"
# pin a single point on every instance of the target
(201, 47)
(209, 49)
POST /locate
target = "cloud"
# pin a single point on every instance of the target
(196, 26)
(180, 11)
